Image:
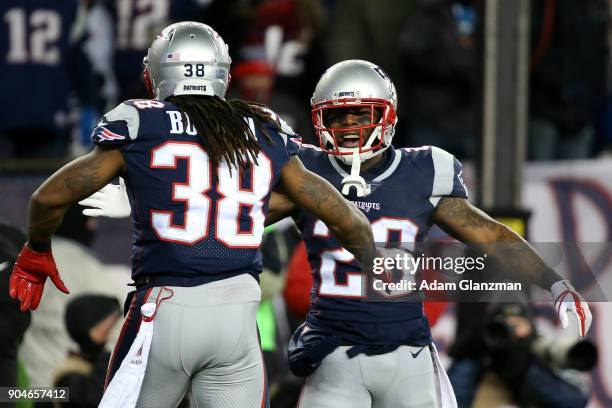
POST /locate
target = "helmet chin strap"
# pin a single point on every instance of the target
(355, 180)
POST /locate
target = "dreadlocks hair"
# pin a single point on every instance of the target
(223, 128)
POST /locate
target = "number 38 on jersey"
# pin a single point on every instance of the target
(235, 201)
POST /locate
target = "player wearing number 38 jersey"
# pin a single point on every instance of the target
(199, 172)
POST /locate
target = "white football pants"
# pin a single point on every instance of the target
(206, 336)
(404, 378)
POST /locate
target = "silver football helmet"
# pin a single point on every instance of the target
(187, 58)
(355, 83)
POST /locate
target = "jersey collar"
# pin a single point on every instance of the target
(378, 173)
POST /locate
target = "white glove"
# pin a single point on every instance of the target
(111, 201)
(566, 298)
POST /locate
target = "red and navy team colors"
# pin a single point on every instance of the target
(405, 188)
(194, 221)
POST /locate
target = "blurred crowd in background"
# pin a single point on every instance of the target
(66, 62)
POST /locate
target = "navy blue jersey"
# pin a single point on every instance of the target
(405, 188)
(34, 43)
(192, 218)
(137, 23)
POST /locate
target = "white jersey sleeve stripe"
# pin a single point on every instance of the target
(444, 174)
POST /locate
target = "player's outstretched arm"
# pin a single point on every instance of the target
(75, 181)
(344, 220)
(470, 225)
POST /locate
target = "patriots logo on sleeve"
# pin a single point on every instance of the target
(106, 134)
(111, 133)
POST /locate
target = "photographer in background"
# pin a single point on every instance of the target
(515, 365)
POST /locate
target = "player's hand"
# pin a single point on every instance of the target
(566, 299)
(29, 276)
(111, 201)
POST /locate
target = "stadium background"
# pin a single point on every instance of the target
(434, 50)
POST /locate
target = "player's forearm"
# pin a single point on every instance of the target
(43, 220)
(521, 260)
(51, 200)
(472, 226)
(47, 207)
(355, 234)
(350, 227)
(73, 182)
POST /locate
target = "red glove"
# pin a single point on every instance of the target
(29, 276)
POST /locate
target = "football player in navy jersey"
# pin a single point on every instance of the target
(39, 41)
(198, 201)
(402, 192)
(380, 354)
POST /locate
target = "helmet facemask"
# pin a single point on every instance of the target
(366, 139)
